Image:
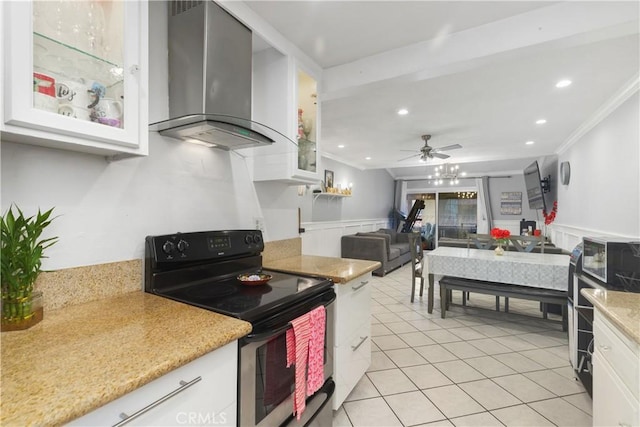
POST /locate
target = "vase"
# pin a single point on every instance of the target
(21, 312)
(498, 250)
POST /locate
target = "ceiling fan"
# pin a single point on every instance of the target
(428, 152)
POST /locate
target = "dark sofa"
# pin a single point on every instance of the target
(389, 247)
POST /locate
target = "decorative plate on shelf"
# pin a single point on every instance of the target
(254, 279)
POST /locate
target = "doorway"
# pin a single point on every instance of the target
(446, 215)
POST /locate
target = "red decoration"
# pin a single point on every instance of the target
(536, 233)
(500, 235)
(550, 217)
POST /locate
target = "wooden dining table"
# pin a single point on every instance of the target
(538, 270)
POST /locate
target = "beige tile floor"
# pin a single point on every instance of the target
(476, 367)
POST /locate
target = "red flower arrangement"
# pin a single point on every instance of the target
(500, 235)
(551, 216)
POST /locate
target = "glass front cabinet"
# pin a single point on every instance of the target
(75, 75)
(285, 98)
(307, 122)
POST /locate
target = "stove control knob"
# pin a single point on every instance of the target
(168, 247)
(183, 245)
(248, 239)
(257, 238)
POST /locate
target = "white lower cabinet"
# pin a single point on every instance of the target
(352, 352)
(616, 376)
(202, 392)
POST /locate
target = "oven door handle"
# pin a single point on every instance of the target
(265, 336)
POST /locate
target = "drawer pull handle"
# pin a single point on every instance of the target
(355, 288)
(183, 386)
(362, 340)
(604, 347)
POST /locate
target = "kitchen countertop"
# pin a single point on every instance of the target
(621, 308)
(84, 356)
(340, 270)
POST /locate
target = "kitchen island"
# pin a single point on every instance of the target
(82, 357)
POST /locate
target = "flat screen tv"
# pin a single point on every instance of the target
(534, 186)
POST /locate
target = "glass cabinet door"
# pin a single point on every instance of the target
(75, 74)
(307, 122)
(78, 60)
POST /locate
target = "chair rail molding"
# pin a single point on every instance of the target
(568, 236)
(322, 238)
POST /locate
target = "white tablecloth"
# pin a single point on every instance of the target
(548, 271)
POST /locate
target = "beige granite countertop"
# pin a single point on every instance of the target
(621, 308)
(84, 356)
(340, 270)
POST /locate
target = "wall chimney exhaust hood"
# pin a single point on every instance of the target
(210, 79)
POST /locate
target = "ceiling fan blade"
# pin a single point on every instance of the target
(409, 151)
(407, 158)
(448, 147)
(440, 156)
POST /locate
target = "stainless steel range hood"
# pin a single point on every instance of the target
(210, 79)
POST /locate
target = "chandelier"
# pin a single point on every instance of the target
(445, 173)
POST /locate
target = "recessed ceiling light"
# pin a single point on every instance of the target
(341, 146)
(563, 83)
(367, 158)
(541, 122)
(530, 142)
(403, 112)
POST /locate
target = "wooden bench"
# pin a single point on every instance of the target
(545, 296)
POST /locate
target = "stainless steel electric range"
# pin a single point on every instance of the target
(202, 269)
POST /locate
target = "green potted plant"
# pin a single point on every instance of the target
(21, 258)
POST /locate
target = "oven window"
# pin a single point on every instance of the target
(274, 381)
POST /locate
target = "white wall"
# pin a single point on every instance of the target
(603, 196)
(372, 195)
(106, 209)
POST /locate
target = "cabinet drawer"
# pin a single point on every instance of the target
(210, 400)
(619, 355)
(353, 307)
(352, 359)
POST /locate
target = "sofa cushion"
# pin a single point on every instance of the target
(402, 247)
(384, 236)
(394, 253)
(391, 232)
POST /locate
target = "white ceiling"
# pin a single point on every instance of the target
(478, 74)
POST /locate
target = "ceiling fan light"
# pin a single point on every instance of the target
(403, 112)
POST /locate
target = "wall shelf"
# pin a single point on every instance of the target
(330, 196)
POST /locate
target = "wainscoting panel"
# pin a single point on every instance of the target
(323, 238)
(567, 237)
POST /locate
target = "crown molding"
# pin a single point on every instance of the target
(344, 162)
(624, 93)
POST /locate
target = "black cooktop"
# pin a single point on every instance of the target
(201, 269)
(250, 303)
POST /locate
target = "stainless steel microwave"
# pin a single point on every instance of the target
(613, 261)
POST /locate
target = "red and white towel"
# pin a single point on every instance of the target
(305, 349)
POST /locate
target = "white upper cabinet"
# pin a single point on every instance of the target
(285, 98)
(75, 75)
